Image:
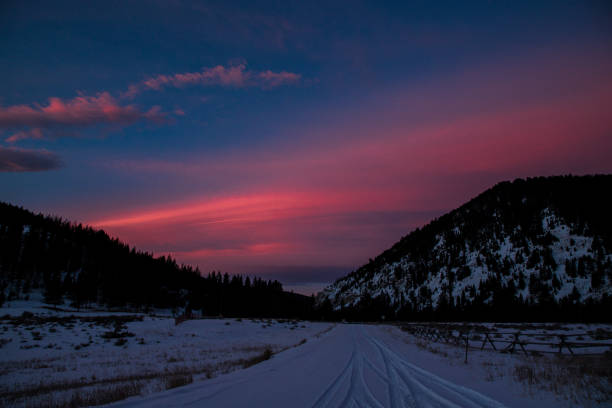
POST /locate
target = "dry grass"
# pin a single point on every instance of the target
(23, 393)
(88, 398)
(583, 380)
(29, 320)
(65, 390)
(493, 370)
(579, 379)
(426, 345)
(178, 381)
(94, 391)
(103, 396)
(322, 332)
(265, 355)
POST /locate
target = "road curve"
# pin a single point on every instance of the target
(351, 366)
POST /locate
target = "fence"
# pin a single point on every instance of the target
(514, 341)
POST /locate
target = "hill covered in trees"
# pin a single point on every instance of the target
(534, 249)
(75, 263)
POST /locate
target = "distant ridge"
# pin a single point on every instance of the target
(534, 249)
(80, 265)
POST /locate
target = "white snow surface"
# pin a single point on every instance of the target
(73, 355)
(357, 366)
(315, 364)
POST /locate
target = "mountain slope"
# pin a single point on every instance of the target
(539, 248)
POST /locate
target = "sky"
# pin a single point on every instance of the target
(292, 140)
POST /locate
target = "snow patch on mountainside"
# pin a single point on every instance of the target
(529, 265)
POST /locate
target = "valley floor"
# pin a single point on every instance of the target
(60, 358)
(71, 358)
(364, 366)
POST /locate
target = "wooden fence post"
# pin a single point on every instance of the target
(467, 344)
(484, 342)
(563, 343)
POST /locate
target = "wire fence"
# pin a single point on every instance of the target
(526, 342)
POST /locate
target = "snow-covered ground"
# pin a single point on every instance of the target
(72, 358)
(367, 366)
(67, 357)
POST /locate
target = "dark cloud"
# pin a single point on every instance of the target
(19, 160)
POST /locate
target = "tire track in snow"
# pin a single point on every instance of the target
(400, 394)
(407, 385)
(352, 379)
(353, 368)
(428, 389)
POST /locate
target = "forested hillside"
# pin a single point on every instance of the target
(535, 249)
(80, 265)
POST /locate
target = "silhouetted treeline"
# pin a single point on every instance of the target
(509, 309)
(73, 262)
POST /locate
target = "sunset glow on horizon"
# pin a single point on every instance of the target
(295, 142)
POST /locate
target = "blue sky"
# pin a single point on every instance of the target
(338, 126)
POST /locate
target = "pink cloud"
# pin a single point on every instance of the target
(312, 195)
(339, 193)
(256, 207)
(277, 227)
(81, 111)
(35, 133)
(132, 91)
(273, 79)
(517, 140)
(30, 122)
(262, 249)
(236, 76)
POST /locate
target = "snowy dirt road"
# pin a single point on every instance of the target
(351, 366)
